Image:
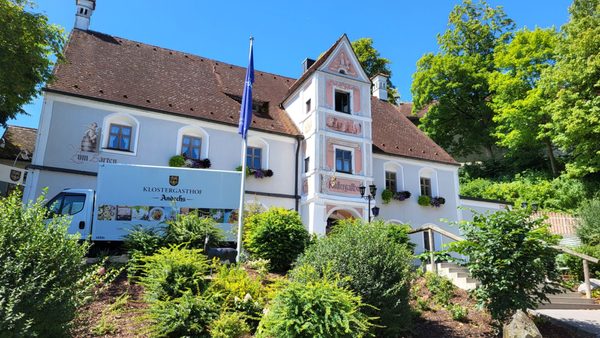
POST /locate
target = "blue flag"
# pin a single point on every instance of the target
(246, 109)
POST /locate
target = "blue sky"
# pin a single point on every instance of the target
(286, 32)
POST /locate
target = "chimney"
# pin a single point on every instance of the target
(379, 88)
(85, 8)
(306, 64)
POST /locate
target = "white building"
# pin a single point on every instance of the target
(323, 135)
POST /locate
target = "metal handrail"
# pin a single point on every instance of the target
(584, 258)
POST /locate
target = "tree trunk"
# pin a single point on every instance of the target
(552, 159)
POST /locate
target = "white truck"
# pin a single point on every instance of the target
(128, 195)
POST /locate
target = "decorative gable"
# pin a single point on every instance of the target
(344, 62)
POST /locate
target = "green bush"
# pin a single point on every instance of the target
(589, 226)
(441, 288)
(575, 264)
(237, 291)
(386, 196)
(316, 308)
(424, 201)
(192, 230)
(458, 312)
(277, 235)
(510, 253)
(143, 241)
(186, 316)
(173, 271)
(177, 161)
(399, 233)
(229, 325)
(40, 265)
(377, 266)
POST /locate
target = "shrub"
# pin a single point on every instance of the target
(576, 266)
(399, 233)
(441, 288)
(229, 325)
(177, 161)
(185, 316)
(192, 231)
(377, 266)
(317, 308)
(39, 268)
(143, 241)
(510, 253)
(458, 312)
(386, 196)
(236, 290)
(277, 235)
(589, 225)
(173, 271)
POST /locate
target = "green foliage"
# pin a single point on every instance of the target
(177, 161)
(560, 194)
(142, 240)
(229, 325)
(576, 266)
(589, 225)
(95, 279)
(374, 64)
(518, 101)
(317, 308)
(192, 230)
(173, 271)
(185, 316)
(237, 291)
(441, 288)
(573, 85)
(386, 196)
(28, 44)
(40, 265)
(377, 268)
(454, 83)
(458, 312)
(277, 235)
(510, 253)
(398, 233)
(424, 200)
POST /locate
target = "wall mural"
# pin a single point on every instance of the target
(343, 125)
(341, 64)
(88, 150)
(330, 184)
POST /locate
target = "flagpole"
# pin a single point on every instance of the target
(242, 195)
(245, 121)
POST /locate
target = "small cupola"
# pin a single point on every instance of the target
(379, 89)
(85, 8)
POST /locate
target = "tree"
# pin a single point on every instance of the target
(510, 253)
(455, 80)
(574, 83)
(517, 100)
(28, 44)
(374, 64)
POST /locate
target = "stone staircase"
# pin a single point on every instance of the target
(459, 275)
(570, 301)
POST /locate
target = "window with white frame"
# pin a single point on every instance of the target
(119, 137)
(343, 161)
(191, 147)
(120, 133)
(391, 181)
(425, 183)
(254, 158)
(342, 101)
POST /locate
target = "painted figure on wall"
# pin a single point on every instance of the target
(89, 141)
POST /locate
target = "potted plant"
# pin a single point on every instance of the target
(183, 161)
(437, 201)
(424, 200)
(386, 196)
(258, 173)
(177, 161)
(402, 195)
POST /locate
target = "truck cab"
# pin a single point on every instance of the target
(78, 205)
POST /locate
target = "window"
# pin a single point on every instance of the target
(306, 164)
(308, 107)
(343, 161)
(426, 186)
(253, 158)
(119, 137)
(342, 102)
(191, 147)
(390, 181)
(66, 204)
(426, 244)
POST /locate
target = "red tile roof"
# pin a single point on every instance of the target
(117, 70)
(17, 139)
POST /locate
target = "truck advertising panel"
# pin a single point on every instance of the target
(151, 196)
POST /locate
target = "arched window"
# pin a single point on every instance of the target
(120, 133)
(257, 153)
(192, 142)
(393, 176)
(428, 182)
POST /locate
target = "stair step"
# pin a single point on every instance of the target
(569, 306)
(569, 300)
